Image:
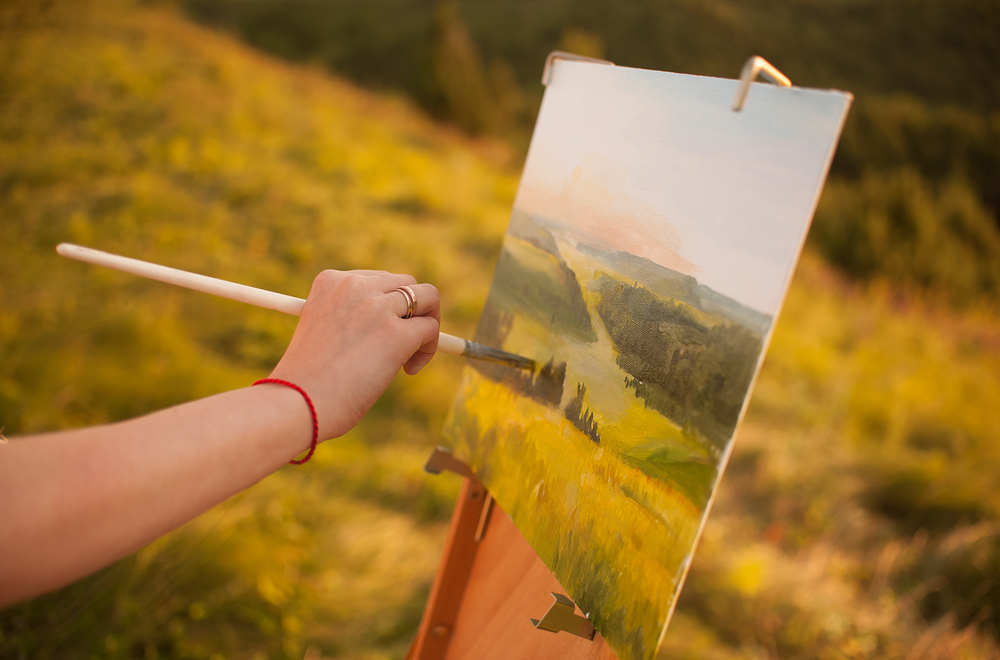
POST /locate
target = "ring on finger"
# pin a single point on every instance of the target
(411, 300)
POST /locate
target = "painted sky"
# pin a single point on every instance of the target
(657, 164)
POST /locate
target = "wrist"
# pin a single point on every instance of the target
(294, 397)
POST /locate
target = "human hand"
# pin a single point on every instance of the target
(351, 341)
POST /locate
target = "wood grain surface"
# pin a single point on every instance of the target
(505, 584)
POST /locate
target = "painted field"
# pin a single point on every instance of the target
(629, 534)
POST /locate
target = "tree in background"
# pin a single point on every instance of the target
(582, 42)
(453, 83)
(936, 236)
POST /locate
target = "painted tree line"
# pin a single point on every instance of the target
(695, 374)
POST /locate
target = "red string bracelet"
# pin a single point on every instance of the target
(312, 411)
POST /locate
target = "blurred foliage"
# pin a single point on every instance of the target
(899, 225)
(915, 197)
(925, 73)
(454, 84)
(133, 131)
(859, 515)
(941, 51)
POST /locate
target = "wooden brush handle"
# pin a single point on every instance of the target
(279, 302)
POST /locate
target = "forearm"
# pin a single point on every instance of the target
(73, 501)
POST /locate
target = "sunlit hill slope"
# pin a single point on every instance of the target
(132, 131)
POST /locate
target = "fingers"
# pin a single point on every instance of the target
(427, 300)
(424, 325)
(383, 286)
(427, 330)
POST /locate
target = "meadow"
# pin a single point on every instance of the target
(859, 516)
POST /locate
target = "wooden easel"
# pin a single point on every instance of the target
(489, 585)
(485, 592)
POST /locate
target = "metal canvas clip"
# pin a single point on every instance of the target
(755, 66)
(563, 55)
(562, 616)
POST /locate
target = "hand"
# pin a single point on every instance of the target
(351, 341)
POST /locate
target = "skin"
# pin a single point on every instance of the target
(75, 501)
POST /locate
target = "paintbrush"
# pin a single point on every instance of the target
(266, 299)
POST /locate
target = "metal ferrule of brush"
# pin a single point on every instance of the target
(481, 352)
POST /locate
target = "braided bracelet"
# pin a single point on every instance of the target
(312, 411)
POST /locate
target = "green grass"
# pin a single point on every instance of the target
(857, 518)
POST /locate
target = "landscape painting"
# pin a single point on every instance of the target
(651, 243)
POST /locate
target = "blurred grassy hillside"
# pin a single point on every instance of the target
(132, 131)
(915, 194)
(859, 517)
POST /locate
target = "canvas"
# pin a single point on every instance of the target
(651, 243)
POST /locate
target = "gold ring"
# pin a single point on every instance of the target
(411, 300)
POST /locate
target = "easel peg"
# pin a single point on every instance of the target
(484, 519)
(443, 459)
(562, 617)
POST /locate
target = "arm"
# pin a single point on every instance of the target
(74, 501)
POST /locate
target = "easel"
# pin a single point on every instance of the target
(490, 581)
